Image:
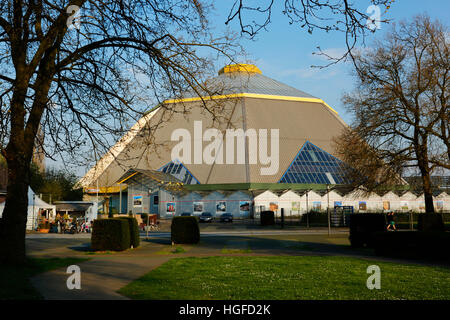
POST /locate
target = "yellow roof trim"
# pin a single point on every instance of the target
(252, 95)
(131, 175)
(241, 67)
(103, 190)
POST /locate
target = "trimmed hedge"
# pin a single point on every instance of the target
(363, 226)
(430, 222)
(110, 234)
(413, 245)
(185, 230)
(134, 231)
(314, 218)
(267, 218)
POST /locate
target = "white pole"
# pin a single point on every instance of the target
(147, 227)
(328, 209)
(307, 215)
(120, 198)
(97, 195)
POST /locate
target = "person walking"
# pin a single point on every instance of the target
(391, 221)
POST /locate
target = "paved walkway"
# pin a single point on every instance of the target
(100, 278)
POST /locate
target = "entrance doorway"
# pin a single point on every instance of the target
(154, 203)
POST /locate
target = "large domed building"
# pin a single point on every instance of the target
(249, 139)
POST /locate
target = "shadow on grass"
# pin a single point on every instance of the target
(271, 245)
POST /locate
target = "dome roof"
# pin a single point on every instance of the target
(247, 78)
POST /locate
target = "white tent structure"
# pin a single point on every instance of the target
(36, 207)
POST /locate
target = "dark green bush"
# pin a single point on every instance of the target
(134, 231)
(267, 218)
(110, 234)
(413, 245)
(185, 230)
(315, 218)
(430, 222)
(363, 226)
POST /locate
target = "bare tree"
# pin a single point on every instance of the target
(355, 20)
(83, 71)
(400, 106)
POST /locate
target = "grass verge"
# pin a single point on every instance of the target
(285, 277)
(233, 251)
(171, 250)
(15, 281)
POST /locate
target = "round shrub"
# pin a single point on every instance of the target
(185, 230)
(110, 234)
(134, 231)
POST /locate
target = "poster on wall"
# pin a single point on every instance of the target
(244, 206)
(170, 207)
(404, 205)
(296, 206)
(386, 205)
(198, 207)
(273, 206)
(137, 201)
(317, 205)
(221, 206)
(338, 204)
(362, 205)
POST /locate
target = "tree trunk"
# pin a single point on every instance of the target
(427, 191)
(12, 242)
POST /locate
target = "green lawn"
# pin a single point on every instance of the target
(308, 277)
(15, 283)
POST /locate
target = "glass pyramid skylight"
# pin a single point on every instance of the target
(179, 171)
(314, 165)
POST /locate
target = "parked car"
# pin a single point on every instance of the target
(206, 217)
(226, 217)
(185, 214)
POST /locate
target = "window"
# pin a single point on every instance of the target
(175, 169)
(314, 165)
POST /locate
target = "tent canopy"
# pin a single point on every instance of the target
(35, 204)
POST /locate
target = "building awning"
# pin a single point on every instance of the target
(71, 206)
(157, 179)
(105, 190)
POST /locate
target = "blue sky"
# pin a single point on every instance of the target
(284, 52)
